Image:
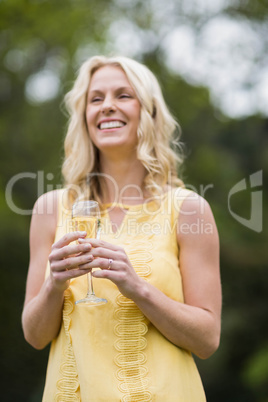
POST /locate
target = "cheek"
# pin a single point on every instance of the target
(138, 114)
(92, 137)
(90, 125)
(135, 116)
(137, 120)
(90, 116)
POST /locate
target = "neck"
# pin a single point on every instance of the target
(123, 180)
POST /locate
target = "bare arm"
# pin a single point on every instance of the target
(195, 324)
(42, 312)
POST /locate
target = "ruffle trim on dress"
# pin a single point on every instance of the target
(68, 384)
(132, 326)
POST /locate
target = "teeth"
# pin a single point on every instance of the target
(111, 124)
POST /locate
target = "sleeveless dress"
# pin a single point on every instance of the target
(112, 352)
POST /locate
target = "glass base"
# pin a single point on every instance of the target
(92, 300)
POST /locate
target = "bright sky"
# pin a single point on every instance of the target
(223, 58)
(227, 55)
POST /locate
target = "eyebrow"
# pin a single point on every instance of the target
(120, 89)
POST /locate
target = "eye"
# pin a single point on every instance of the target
(96, 99)
(125, 96)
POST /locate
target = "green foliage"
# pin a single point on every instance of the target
(255, 372)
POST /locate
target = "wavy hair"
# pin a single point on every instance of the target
(156, 132)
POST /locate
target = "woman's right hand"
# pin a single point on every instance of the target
(42, 311)
(66, 257)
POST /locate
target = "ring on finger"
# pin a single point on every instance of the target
(110, 261)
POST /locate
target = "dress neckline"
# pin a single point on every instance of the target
(132, 207)
(150, 205)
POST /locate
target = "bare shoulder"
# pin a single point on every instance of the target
(45, 214)
(196, 219)
(46, 203)
(42, 234)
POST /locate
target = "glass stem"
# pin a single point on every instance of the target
(90, 290)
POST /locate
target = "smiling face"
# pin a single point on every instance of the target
(113, 110)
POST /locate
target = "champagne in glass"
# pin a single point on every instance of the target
(86, 217)
(88, 224)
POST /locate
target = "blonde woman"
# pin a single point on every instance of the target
(157, 260)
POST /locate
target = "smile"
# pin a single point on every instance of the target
(111, 124)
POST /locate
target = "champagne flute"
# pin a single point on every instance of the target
(86, 217)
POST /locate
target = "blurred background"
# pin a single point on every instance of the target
(212, 62)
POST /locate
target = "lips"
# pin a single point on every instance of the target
(106, 125)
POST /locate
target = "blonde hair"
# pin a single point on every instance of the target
(155, 133)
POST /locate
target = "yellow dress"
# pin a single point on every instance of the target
(112, 352)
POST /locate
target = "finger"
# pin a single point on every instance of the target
(75, 273)
(69, 250)
(71, 262)
(64, 276)
(68, 238)
(103, 263)
(114, 276)
(105, 253)
(96, 243)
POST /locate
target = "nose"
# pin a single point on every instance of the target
(108, 105)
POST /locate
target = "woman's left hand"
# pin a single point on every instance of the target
(114, 265)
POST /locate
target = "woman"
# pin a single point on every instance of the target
(159, 273)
